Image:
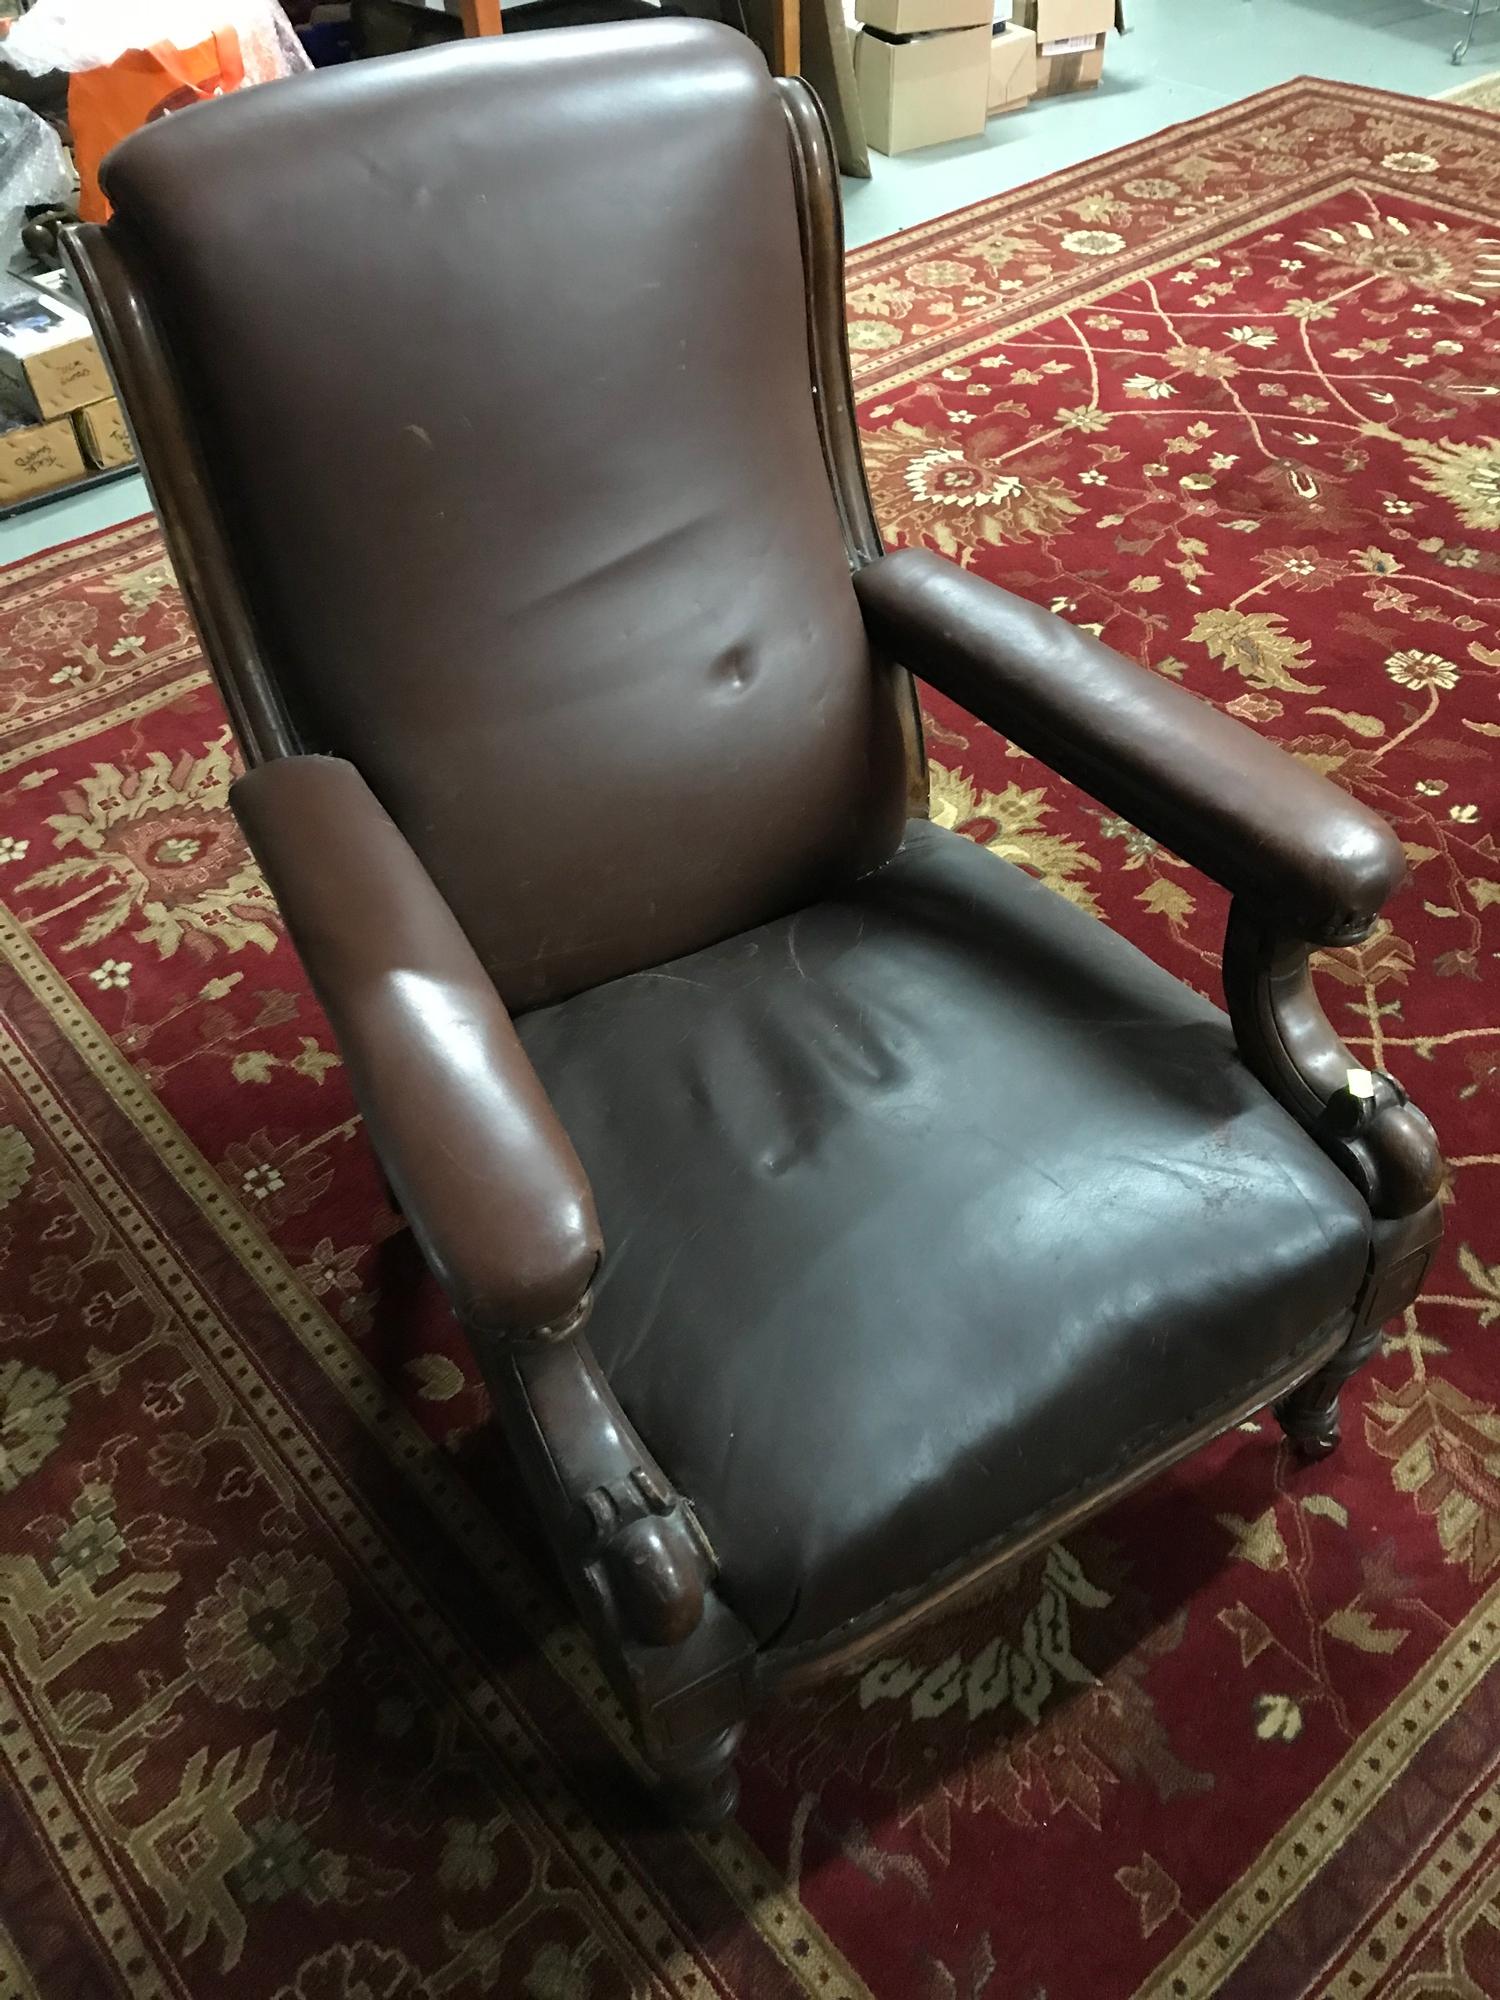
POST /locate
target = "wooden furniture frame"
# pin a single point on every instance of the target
(638, 1566)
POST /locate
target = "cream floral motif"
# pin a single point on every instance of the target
(17, 1158)
(1256, 645)
(53, 626)
(1202, 361)
(1422, 670)
(140, 589)
(1093, 242)
(881, 299)
(867, 335)
(331, 1270)
(1465, 475)
(1412, 257)
(33, 1415)
(1444, 1449)
(1006, 1711)
(1302, 568)
(1150, 388)
(361, 1971)
(1102, 208)
(158, 844)
(941, 272)
(91, 1545)
(94, 632)
(1023, 1676)
(1085, 417)
(946, 478)
(1009, 823)
(468, 1859)
(1278, 1718)
(1003, 248)
(271, 1630)
(957, 497)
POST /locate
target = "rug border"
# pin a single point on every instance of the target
(793, 1934)
(56, 553)
(56, 556)
(1223, 113)
(1200, 1962)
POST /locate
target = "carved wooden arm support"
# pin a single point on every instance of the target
(486, 1176)
(1363, 1120)
(637, 1560)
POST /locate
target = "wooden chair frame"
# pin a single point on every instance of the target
(636, 1561)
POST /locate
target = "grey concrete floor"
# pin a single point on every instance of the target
(1180, 59)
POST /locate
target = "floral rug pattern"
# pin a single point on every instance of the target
(287, 1708)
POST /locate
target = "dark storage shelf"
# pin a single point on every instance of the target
(106, 477)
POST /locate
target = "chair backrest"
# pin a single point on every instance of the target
(494, 365)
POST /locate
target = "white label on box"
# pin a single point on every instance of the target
(1074, 45)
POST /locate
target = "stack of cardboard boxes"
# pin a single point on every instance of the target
(934, 70)
(1070, 37)
(1012, 62)
(58, 419)
(923, 70)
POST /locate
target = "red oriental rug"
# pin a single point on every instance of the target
(286, 1708)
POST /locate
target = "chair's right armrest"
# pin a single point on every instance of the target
(1312, 860)
(484, 1171)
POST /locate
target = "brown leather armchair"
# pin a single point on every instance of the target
(836, 1213)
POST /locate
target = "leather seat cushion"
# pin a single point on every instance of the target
(925, 1208)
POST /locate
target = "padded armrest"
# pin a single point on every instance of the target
(1316, 862)
(479, 1162)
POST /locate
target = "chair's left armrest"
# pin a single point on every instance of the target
(1312, 860)
(487, 1178)
(475, 1154)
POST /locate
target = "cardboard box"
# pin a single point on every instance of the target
(1076, 64)
(36, 457)
(1012, 69)
(925, 90)
(1061, 20)
(924, 17)
(102, 433)
(49, 360)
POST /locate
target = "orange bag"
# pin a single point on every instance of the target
(106, 104)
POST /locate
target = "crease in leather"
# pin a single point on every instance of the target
(927, 1221)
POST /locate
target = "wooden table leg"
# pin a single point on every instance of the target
(481, 17)
(786, 37)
